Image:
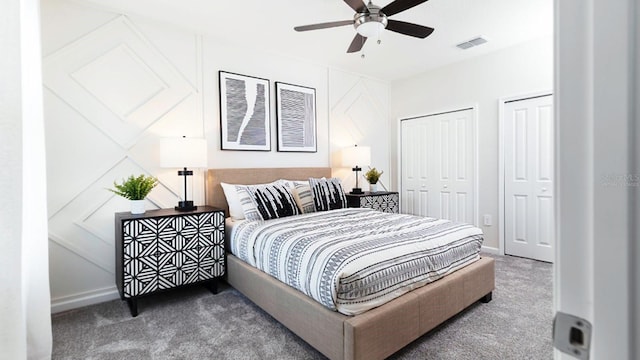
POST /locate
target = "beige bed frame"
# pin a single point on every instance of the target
(375, 334)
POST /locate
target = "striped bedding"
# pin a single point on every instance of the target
(351, 260)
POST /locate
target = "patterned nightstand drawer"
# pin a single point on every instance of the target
(385, 201)
(165, 249)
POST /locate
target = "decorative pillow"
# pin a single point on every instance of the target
(235, 208)
(268, 201)
(327, 194)
(304, 196)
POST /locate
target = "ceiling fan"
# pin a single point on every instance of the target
(369, 20)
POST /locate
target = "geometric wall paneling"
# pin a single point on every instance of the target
(359, 112)
(182, 120)
(63, 22)
(77, 152)
(115, 72)
(85, 224)
(113, 86)
(109, 96)
(359, 115)
(178, 46)
(84, 252)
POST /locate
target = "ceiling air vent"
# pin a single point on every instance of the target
(471, 43)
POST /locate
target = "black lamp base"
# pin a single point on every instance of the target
(356, 190)
(185, 206)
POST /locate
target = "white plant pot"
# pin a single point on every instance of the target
(137, 206)
(373, 187)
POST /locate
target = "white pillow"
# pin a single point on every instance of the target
(235, 207)
(304, 196)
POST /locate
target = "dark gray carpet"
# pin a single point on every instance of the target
(195, 324)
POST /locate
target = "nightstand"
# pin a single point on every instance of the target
(385, 201)
(166, 249)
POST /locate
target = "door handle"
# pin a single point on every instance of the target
(544, 189)
(445, 186)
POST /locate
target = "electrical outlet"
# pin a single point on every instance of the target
(487, 220)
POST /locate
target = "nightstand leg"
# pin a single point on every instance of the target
(133, 307)
(212, 286)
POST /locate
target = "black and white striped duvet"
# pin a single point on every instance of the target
(352, 260)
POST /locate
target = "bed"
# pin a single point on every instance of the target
(374, 334)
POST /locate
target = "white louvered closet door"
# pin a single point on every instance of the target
(528, 156)
(437, 166)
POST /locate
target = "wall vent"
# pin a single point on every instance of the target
(471, 43)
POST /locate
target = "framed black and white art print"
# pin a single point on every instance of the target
(296, 118)
(244, 112)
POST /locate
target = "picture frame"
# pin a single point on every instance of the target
(245, 110)
(296, 121)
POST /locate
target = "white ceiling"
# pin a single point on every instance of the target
(268, 26)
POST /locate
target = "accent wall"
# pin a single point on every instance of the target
(114, 84)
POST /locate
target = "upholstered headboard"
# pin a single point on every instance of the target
(215, 195)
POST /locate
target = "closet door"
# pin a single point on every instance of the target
(528, 178)
(437, 175)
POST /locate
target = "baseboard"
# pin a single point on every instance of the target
(490, 250)
(82, 299)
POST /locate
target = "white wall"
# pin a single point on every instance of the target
(517, 70)
(114, 84)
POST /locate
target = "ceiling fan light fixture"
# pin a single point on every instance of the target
(371, 29)
(370, 20)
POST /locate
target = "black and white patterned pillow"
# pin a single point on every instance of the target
(264, 202)
(327, 194)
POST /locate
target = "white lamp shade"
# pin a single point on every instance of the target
(356, 155)
(183, 152)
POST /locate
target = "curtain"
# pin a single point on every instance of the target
(25, 305)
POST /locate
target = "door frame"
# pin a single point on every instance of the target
(474, 125)
(501, 182)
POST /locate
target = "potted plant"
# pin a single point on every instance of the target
(372, 176)
(135, 189)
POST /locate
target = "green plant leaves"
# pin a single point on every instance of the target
(373, 175)
(135, 188)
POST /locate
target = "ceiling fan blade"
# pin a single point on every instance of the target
(357, 43)
(323, 25)
(357, 5)
(410, 29)
(399, 6)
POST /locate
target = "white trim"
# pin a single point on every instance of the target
(491, 250)
(476, 163)
(74, 301)
(501, 215)
(399, 162)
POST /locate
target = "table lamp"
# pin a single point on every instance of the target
(356, 156)
(183, 153)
